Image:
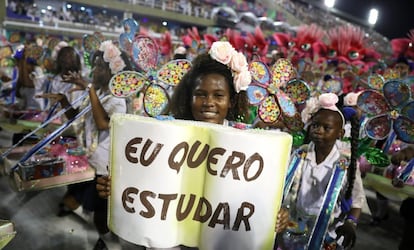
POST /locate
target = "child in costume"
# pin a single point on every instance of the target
(106, 62)
(309, 189)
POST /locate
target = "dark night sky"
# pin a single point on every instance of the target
(396, 17)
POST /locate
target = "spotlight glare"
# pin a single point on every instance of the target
(330, 3)
(373, 16)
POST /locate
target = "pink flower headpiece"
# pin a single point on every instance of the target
(324, 101)
(112, 55)
(224, 53)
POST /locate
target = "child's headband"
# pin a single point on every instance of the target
(223, 52)
(324, 101)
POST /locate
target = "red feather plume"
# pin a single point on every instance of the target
(403, 47)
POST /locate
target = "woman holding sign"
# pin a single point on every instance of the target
(323, 197)
(212, 91)
(94, 132)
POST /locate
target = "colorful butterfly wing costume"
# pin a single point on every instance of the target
(268, 92)
(391, 111)
(152, 83)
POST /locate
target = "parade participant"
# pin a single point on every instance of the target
(26, 57)
(212, 91)
(208, 92)
(106, 62)
(407, 206)
(67, 60)
(326, 128)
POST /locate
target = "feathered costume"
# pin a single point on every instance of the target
(403, 47)
(347, 47)
(308, 43)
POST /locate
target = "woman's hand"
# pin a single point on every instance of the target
(54, 97)
(103, 186)
(282, 220)
(75, 78)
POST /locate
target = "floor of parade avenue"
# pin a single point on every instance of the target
(38, 226)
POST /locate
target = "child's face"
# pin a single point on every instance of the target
(211, 99)
(325, 128)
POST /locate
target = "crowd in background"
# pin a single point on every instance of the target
(110, 20)
(315, 69)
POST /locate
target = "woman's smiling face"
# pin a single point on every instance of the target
(211, 99)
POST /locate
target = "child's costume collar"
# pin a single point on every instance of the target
(337, 150)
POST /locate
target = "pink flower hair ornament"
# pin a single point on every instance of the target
(112, 55)
(328, 101)
(223, 52)
(324, 101)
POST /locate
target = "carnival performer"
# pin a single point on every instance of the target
(311, 180)
(106, 62)
(403, 69)
(407, 206)
(212, 91)
(29, 73)
(67, 60)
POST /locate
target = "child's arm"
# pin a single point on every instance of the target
(64, 102)
(348, 229)
(354, 214)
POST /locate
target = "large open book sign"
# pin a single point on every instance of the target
(197, 184)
